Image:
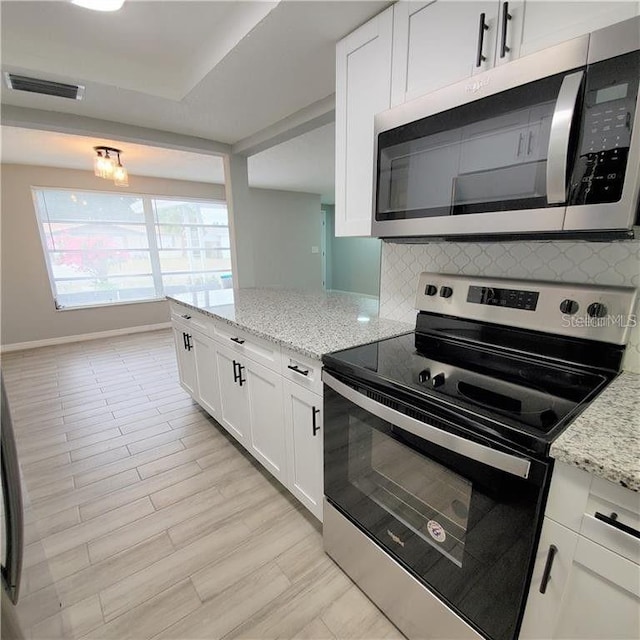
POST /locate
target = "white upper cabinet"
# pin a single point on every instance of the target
(547, 23)
(438, 43)
(363, 88)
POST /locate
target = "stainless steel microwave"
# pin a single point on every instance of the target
(540, 146)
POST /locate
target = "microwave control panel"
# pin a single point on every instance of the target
(611, 95)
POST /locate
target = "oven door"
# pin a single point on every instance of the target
(460, 515)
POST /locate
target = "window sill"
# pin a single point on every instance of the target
(109, 304)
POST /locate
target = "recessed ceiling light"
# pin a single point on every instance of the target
(99, 5)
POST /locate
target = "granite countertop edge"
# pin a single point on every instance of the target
(605, 439)
(288, 344)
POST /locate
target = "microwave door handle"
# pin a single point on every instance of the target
(486, 455)
(557, 155)
(12, 493)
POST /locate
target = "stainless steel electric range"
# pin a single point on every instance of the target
(436, 444)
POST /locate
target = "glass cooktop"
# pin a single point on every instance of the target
(505, 387)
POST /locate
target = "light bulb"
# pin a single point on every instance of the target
(120, 176)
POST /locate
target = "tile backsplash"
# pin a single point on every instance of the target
(601, 263)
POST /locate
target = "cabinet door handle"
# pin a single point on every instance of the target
(237, 340)
(235, 373)
(506, 16)
(612, 521)
(184, 340)
(297, 369)
(529, 148)
(314, 422)
(241, 380)
(546, 575)
(483, 27)
(189, 343)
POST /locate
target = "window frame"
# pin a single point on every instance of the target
(151, 224)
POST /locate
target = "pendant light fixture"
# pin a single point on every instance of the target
(107, 164)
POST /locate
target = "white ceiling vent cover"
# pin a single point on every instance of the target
(45, 87)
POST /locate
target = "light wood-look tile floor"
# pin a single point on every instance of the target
(146, 520)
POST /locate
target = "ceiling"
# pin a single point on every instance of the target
(305, 163)
(217, 70)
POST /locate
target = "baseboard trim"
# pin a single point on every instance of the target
(82, 337)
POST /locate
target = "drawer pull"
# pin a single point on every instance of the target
(297, 369)
(237, 340)
(612, 520)
(186, 316)
(546, 575)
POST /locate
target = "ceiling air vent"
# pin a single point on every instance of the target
(45, 87)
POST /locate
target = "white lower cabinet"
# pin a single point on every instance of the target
(303, 418)
(250, 390)
(267, 440)
(234, 395)
(186, 359)
(206, 373)
(586, 577)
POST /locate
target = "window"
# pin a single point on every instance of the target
(105, 248)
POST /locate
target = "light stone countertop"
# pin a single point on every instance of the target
(605, 438)
(310, 323)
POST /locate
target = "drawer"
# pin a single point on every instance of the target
(193, 319)
(243, 343)
(302, 370)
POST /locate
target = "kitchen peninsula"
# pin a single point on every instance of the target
(251, 359)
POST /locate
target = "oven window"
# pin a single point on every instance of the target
(429, 499)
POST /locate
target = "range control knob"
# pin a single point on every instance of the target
(446, 292)
(424, 376)
(437, 380)
(569, 306)
(431, 290)
(596, 310)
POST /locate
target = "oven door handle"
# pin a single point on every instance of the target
(480, 453)
(558, 151)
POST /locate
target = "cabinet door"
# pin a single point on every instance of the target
(436, 44)
(207, 373)
(363, 85)
(549, 23)
(234, 398)
(186, 360)
(266, 438)
(543, 609)
(592, 593)
(303, 415)
(602, 596)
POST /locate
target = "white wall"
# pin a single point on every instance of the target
(27, 307)
(602, 263)
(275, 236)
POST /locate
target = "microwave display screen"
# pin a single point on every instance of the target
(616, 92)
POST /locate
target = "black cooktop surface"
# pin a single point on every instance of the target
(509, 391)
